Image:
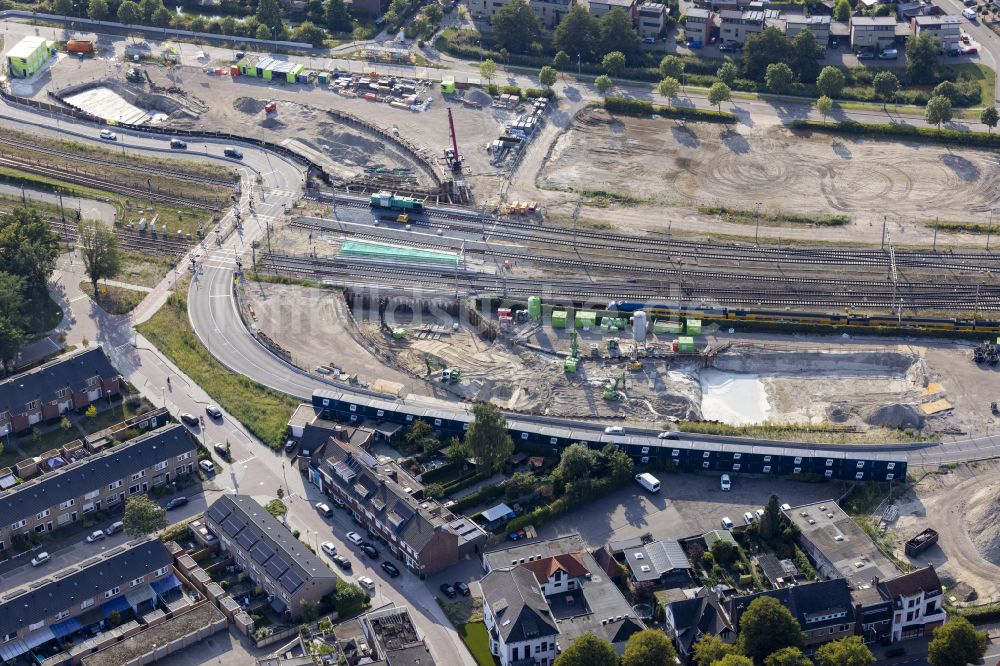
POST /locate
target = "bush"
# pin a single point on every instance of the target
(511, 90)
(640, 107)
(480, 496)
(947, 136)
(981, 614)
(547, 93)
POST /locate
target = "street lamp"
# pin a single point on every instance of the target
(756, 233)
(578, 70)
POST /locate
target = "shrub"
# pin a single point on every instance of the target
(547, 93)
(640, 107)
(948, 136)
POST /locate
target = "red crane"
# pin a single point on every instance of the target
(452, 155)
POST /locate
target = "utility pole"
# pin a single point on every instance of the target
(935, 233)
(62, 211)
(989, 231)
(885, 220)
(756, 233)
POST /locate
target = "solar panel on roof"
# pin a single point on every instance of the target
(261, 552)
(275, 567)
(247, 539)
(219, 512)
(365, 459)
(233, 525)
(291, 581)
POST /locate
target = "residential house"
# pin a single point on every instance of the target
(419, 531)
(550, 12)
(917, 603)
(698, 616)
(601, 7)
(48, 391)
(698, 24)
(736, 25)
(540, 596)
(779, 573)
(652, 18)
(906, 11)
(100, 481)
(819, 26)
(654, 565)
(370, 7)
(127, 579)
(947, 28)
(392, 636)
(872, 32)
(823, 609)
(266, 550)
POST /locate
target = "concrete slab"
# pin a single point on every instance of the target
(106, 103)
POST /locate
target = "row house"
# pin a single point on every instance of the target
(128, 580)
(651, 19)
(101, 481)
(601, 7)
(917, 603)
(549, 12)
(269, 554)
(872, 32)
(947, 28)
(699, 615)
(698, 24)
(419, 531)
(737, 25)
(819, 26)
(48, 391)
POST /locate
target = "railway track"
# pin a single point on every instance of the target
(162, 172)
(910, 296)
(128, 240)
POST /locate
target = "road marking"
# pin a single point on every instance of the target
(243, 461)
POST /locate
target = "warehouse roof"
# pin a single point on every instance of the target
(43, 383)
(24, 48)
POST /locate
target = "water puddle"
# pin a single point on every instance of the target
(733, 398)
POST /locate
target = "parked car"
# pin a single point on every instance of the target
(176, 503)
(747, 517)
(336, 502)
(726, 46)
(213, 411)
(970, 3)
(221, 450)
(866, 55)
(463, 589)
(329, 548)
(726, 523)
(240, 55)
(189, 419)
(233, 152)
(324, 509)
(96, 536)
(177, 144)
(834, 43)
(355, 538)
(786, 507)
(965, 38)
(758, 513)
(954, 50)
(969, 13)
(669, 434)
(207, 466)
(108, 135)
(369, 550)
(289, 446)
(114, 528)
(367, 583)
(969, 50)
(390, 569)
(888, 54)
(341, 561)
(448, 590)
(40, 559)
(614, 430)
(725, 482)
(649, 40)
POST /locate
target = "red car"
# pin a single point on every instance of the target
(970, 50)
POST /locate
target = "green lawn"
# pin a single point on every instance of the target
(478, 641)
(986, 77)
(115, 300)
(264, 412)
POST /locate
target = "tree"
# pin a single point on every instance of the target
(770, 521)
(488, 69)
(63, 7)
(788, 656)
(779, 76)
(13, 322)
(197, 24)
(12, 338)
(99, 248)
(831, 81)
(938, 110)
(547, 76)
(310, 33)
(947, 89)
(849, 651)
(617, 34)
(515, 27)
(521, 484)
(922, 51)
(728, 73)
(824, 105)
(603, 83)
(561, 61)
(734, 660)
(669, 87)
(671, 66)
(613, 63)
(577, 461)
(309, 610)
(956, 643)
(648, 648)
(97, 10)
(886, 86)
(143, 516)
(725, 552)
(989, 117)
(765, 627)
(337, 18)
(805, 56)
(269, 14)
(711, 649)
(578, 33)
(349, 598)
(842, 10)
(765, 48)
(587, 650)
(129, 13)
(161, 17)
(263, 32)
(718, 93)
(147, 7)
(488, 437)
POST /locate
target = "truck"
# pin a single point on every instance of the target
(921, 542)
(393, 202)
(648, 481)
(80, 46)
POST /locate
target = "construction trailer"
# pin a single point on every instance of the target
(558, 319)
(28, 56)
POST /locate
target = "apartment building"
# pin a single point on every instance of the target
(550, 12)
(737, 25)
(819, 26)
(266, 550)
(393, 638)
(947, 28)
(872, 32)
(48, 391)
(390, 504)
(652, 17)
(601, 7)
(80, 599)
(698, 24)
(101, 481)
(916, 601)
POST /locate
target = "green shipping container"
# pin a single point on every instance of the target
(535, 307)
(586, 319)
(685, 345)
(613, 322)
(668, 327)
(694, 326)
(558, 319)
(571, 363)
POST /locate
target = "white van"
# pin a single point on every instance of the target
(648, 481)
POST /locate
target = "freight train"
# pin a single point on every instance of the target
(659, 311)
(393, 202)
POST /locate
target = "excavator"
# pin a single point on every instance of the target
(448, 374)
(610, 389)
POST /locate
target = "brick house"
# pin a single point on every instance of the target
(102, 481)
(916, 599)
(50, 390)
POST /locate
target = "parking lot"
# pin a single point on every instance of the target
(687, 504)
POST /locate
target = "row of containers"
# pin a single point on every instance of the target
(270, 69)
(588, 319)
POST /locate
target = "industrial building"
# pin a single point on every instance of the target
(28, 56)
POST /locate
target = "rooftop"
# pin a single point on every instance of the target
(395, 635)
(70, 371)
(873, 20)
(911, 584)
(25, 47)
(946, 19)
(614, 3)
(843, 543)
(814, 605)
(535, 550)
(697, 12)
(807, 20)
(652, 560)
(302, 416)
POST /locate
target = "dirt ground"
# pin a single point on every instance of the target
(662, 162)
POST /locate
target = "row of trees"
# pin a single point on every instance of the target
(644, 648)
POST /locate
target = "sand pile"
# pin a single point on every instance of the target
(248, 105)
(480, 97)
(981, 523)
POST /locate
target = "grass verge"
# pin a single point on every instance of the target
(959, 227)
(476, 638)
(264, 412)
(819, 434)
(746, 216)
(115, 300)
